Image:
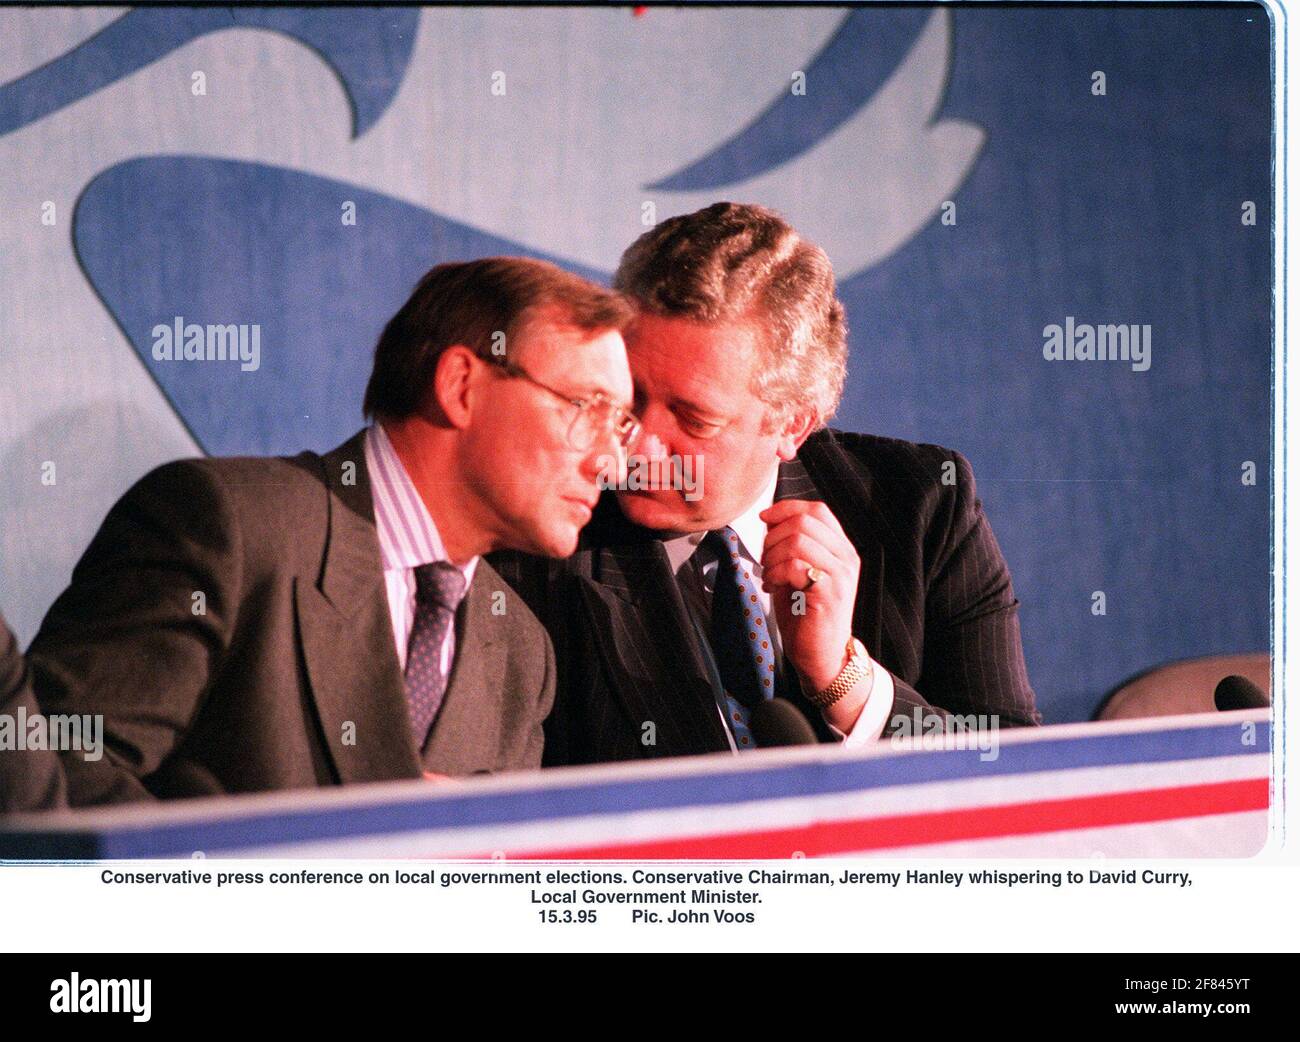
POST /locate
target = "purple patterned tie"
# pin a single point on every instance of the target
(439, 588)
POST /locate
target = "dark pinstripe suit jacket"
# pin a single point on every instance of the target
(935, 607)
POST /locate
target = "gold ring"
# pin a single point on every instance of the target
(815, 575)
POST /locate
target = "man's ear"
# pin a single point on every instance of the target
(793, 432)
(452, 381)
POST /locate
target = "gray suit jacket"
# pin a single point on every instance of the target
(230, 622)
(30, 779)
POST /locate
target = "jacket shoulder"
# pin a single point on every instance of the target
(898, 475)
(291, 492)
(273, 513)
(923, 493)
(885, 459)
(255, 479)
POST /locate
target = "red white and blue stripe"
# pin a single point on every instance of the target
(1183, 786)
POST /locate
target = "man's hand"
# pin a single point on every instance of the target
(815, 621)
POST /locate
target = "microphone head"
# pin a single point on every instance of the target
(774, 721)
(1236, 692)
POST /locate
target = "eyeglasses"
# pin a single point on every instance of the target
(594, 419)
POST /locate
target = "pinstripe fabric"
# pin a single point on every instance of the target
(946, 613)
(935, 606)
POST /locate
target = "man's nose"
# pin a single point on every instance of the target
(651, 447)
(652, 442)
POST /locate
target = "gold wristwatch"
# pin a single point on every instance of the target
(856, 667)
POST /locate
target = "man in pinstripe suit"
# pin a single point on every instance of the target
(868, 560)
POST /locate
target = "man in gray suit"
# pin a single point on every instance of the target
(256, 624)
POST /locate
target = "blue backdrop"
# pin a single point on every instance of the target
(299, 169)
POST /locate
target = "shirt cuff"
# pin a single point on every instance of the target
(870, 724)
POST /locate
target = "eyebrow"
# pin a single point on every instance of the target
(587, 390)
(694, 406)
(677, 401)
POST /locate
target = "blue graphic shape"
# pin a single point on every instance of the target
(845, 75)
(368, 48)
(231, 243)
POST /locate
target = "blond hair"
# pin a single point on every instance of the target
(739, 262)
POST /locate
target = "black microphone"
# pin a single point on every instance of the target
(774, 721)
(1236, 692)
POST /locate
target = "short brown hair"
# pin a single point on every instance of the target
(469, 303)
(735, 261)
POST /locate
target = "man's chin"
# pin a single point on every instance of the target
(660, 511)
(559, 544)
(556, 541)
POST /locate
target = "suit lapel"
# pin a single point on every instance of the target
(854, 510)
(347, 635)
(467, 732)
(644, 635)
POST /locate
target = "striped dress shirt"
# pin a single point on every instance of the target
(408, 538)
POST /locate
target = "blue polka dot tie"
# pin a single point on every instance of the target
(738, 632)
(439, 588)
